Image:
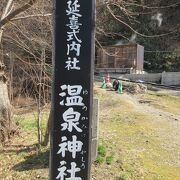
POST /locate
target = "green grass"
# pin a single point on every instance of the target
(102, 150)
(109, 160)
(102, 155)
(21, 159)
(28, 122)
(100, 159)
(122, 177)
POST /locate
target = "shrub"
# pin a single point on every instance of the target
(109, 160)
(102, 151)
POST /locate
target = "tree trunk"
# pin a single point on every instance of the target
(48, 128)
(5, 108)
(6, 125)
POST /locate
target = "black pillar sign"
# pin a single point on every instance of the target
(72, 92)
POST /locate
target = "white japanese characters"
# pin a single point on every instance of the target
(72, 96)
(73, 41)
(72, 64)
(70, 172)
(71, 120)
(72, 145)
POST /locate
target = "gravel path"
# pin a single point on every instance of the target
(146, 107)
(166, 126)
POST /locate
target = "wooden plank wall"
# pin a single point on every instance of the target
(121, 56)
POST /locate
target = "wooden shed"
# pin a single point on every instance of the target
(121, 56)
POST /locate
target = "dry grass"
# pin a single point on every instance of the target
(20, 158)
(144, 145)
(140, 144)
(164, 101)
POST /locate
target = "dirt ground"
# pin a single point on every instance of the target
(139, 138)
(143, 134)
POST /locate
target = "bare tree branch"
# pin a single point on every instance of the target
(5, 13)
(131, 28)
(31, 16)
(16, 12)
(7, 9)
(153, 7)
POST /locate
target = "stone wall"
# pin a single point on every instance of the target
(170, 78)
(165, 78)
(153, 77)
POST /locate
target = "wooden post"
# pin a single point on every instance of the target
(95, 128)
(72, 91)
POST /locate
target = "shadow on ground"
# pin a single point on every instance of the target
(35, 161)
(18, 148)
